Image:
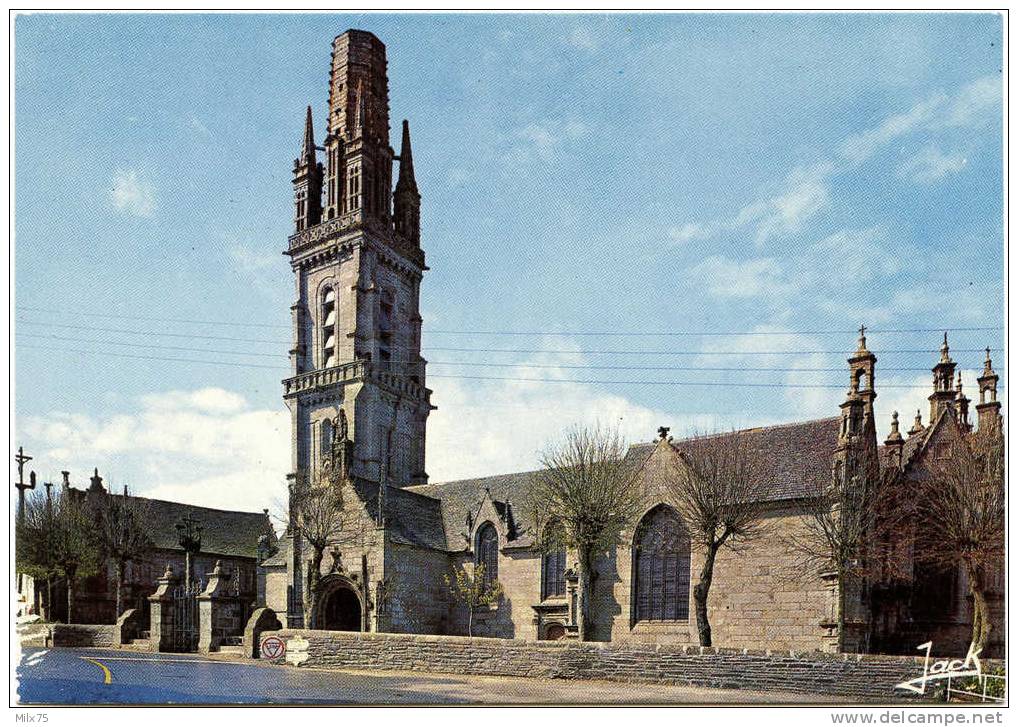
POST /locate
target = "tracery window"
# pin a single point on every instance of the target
(661, 567)
(553, 570)
(486, 552)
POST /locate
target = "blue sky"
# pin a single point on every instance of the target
(579, 173)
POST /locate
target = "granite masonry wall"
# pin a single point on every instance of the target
(866, 678)
(82, 635)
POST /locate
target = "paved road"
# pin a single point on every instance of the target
(106, 676)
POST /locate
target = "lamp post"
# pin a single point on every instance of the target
(189, 536)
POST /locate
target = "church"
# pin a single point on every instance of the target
(359, 403)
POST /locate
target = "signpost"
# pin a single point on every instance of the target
(272, 647)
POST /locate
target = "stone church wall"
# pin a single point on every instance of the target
(420, 599)
(757, 597)
(853, 677)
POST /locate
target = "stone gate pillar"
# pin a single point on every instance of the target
(161, 611)
(211, 603)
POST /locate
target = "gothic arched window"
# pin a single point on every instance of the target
(661, 567)
(486, 552)
(553, 573)
(325, 438)
(328, 318)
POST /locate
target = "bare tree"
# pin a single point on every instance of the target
(714, 490)
(832, 535)
(473, 591)
(122, 534)
(71, 543)
(591, 495)
(318, 514)
(960, 519)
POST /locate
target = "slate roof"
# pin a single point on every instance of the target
(790, 461)
(415, 518)
(457, 499)
(224, 532)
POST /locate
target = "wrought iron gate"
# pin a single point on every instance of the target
(185, 617)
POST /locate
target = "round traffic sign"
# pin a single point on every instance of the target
(273, 647)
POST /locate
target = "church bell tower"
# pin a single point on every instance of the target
(356, 390)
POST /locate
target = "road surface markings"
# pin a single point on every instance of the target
(107, 677)
(35, 658)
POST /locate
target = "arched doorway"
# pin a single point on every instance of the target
(341, 611)
(339, 607)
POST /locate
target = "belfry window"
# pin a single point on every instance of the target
(661, 567)
(328, 328)
(486, 552)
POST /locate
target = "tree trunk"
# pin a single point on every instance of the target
(981, 625)
(470, 621)
(70, 596)
(49, 599)
(120, 586)
(700, 593)
(842, 600)
(314, 576)
(585, 595)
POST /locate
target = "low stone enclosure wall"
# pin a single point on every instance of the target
(857, 678)
(82, 635)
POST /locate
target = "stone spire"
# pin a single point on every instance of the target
(917, 425)
(963, 406)
(307, 149)
(307, 180)
(895, 442)
(407, 199)
(359, 158)
(988, 408)
(857, 409)
(944, 397)
(96, 482)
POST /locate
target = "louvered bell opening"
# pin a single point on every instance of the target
(330, 342)
(330, 297)
(330, 360)
(330, 316)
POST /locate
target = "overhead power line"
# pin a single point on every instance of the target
(609, 382)
(496, 332)
(480, 364)
(463, 349)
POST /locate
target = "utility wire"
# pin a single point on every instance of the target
(481, 332)
(480, 364)
(504, 350)
(720, 384)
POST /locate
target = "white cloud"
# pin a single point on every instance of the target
(860, 147)
(206, 447)
(806, 191)
(131, 194)
(930, 164)
(727, 278)
(490, 427)
(975, 102)
(583, 39)
(688, 232)
(543, 142)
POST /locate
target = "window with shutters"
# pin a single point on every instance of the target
(486, 552)
(327, 334)
(661, 567)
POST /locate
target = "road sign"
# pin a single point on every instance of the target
(273, 647)
(297, 650)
